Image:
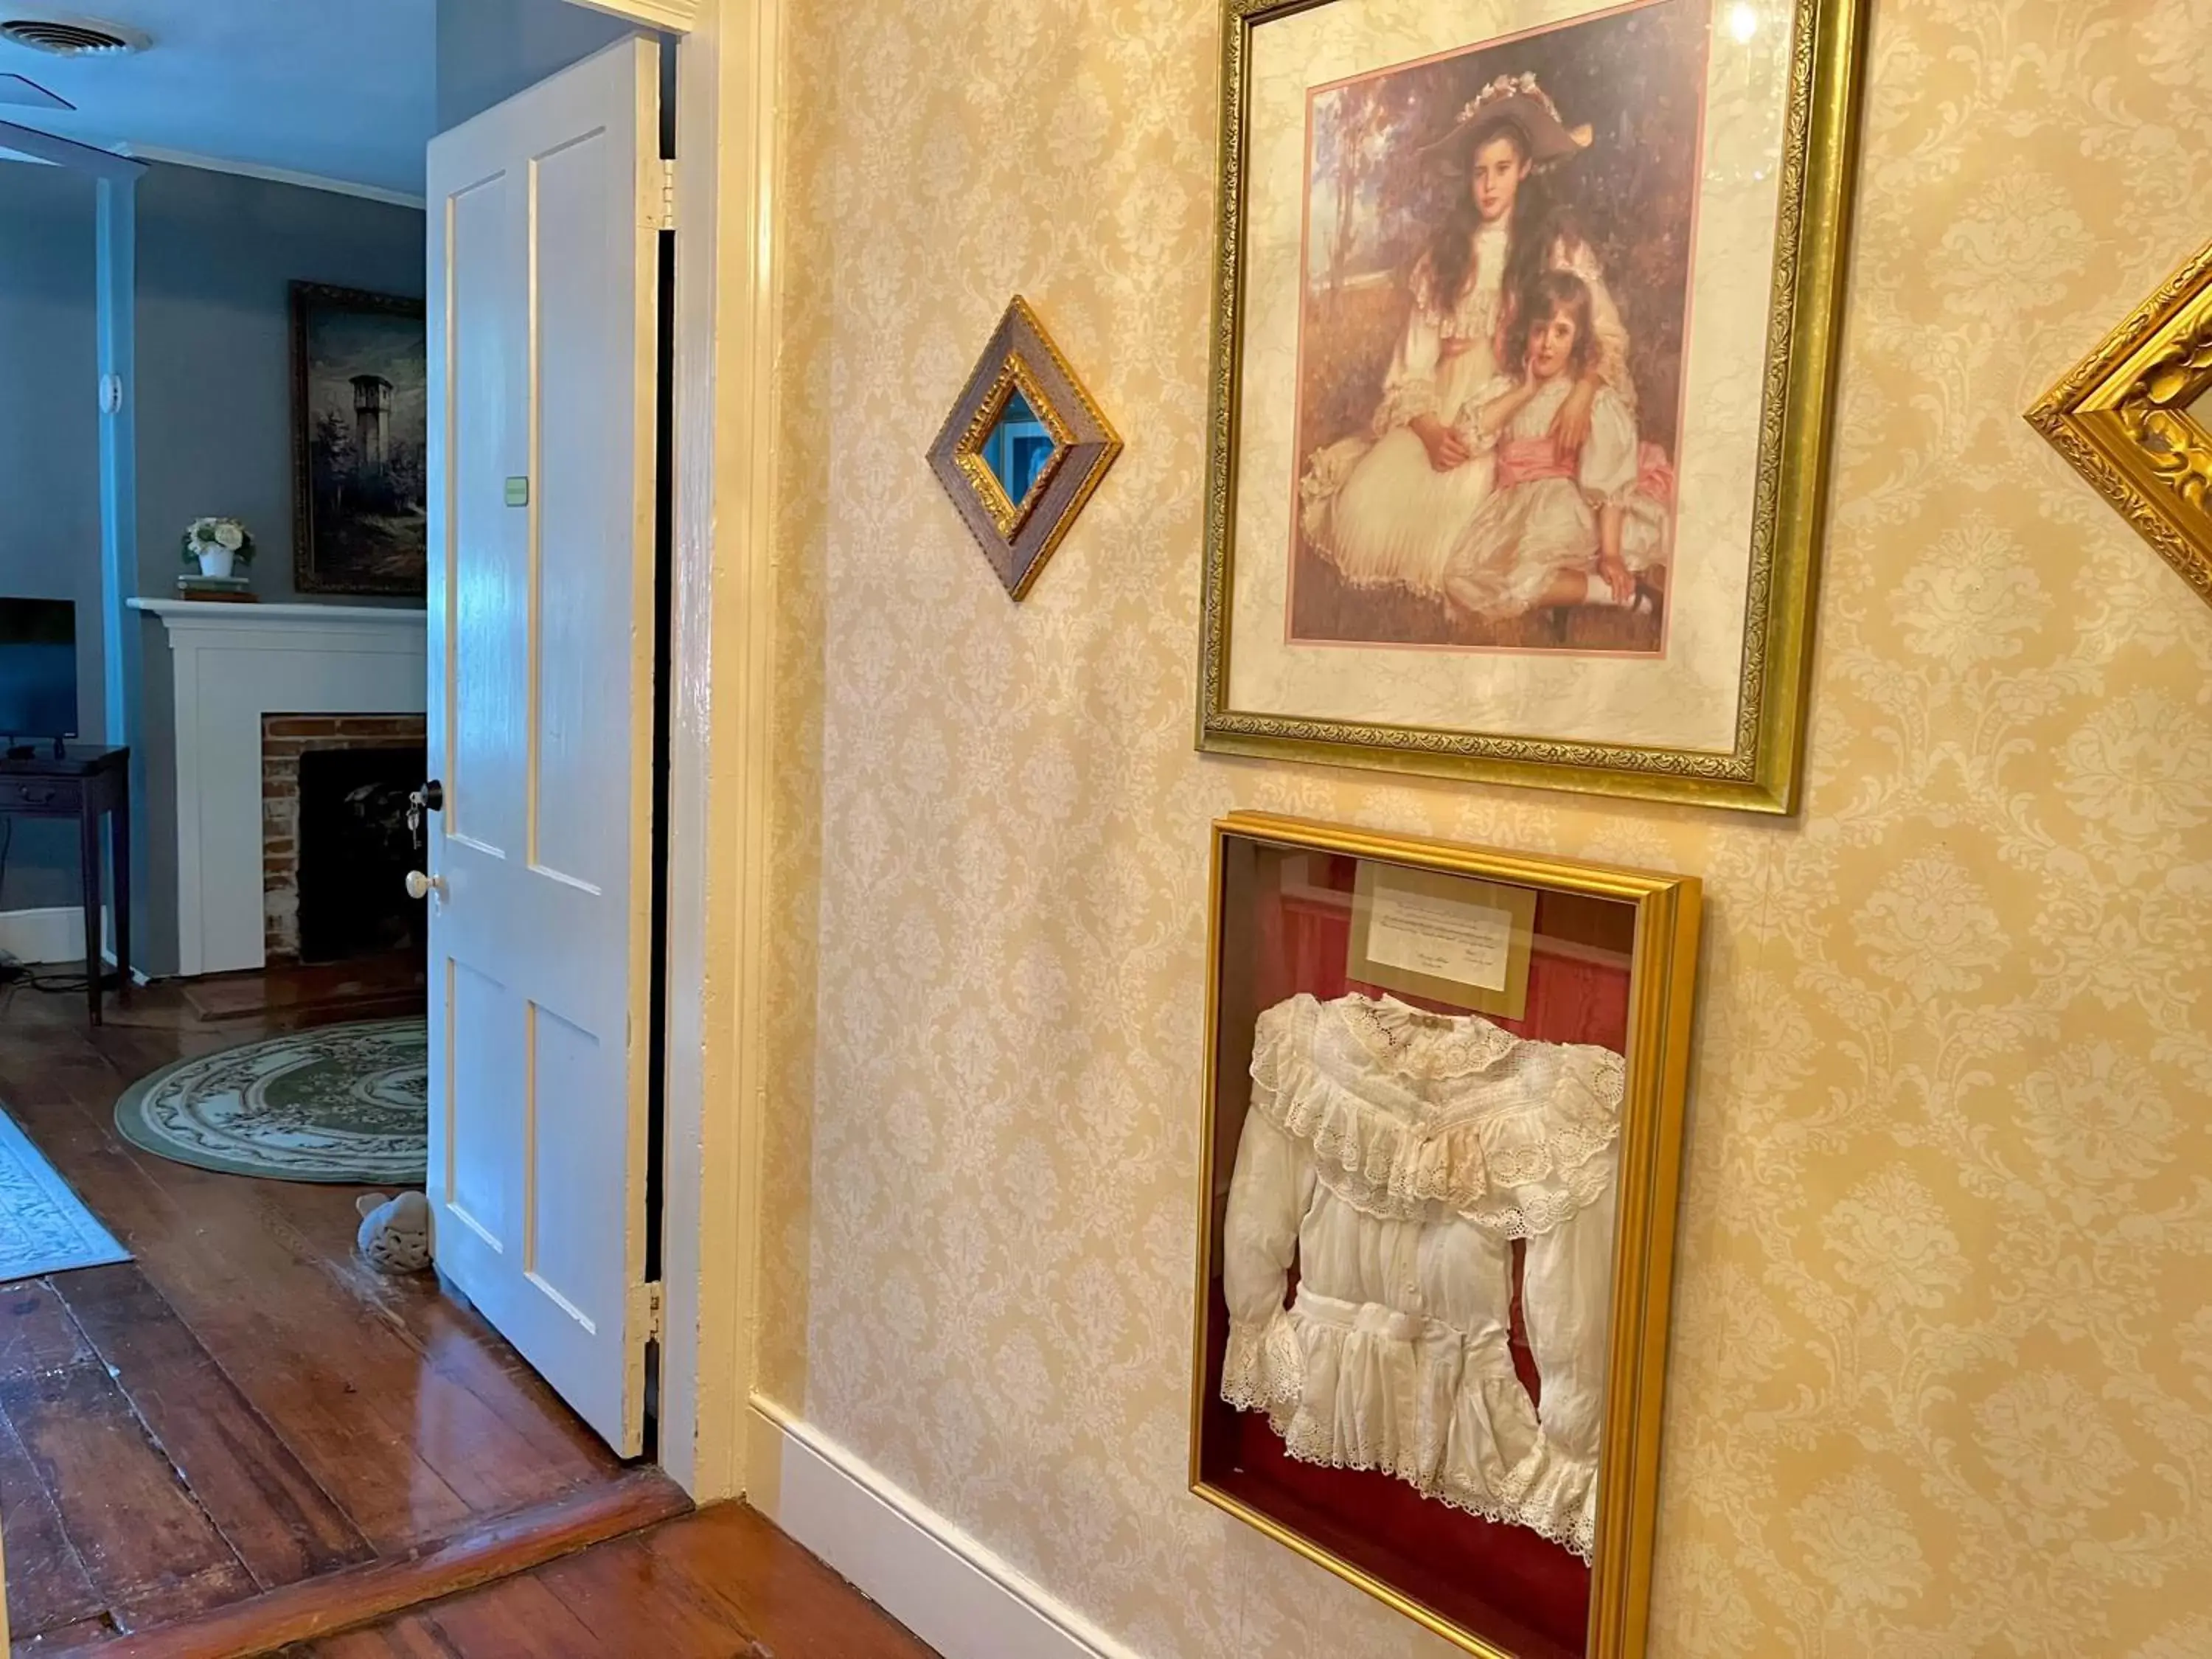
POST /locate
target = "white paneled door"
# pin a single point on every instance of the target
(544, 221)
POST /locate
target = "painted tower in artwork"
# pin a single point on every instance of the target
(372, 412)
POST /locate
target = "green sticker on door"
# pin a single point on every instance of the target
(518, 492)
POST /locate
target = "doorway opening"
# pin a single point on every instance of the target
(243, 1370)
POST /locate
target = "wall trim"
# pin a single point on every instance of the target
(56, 934)
(185, 158)
(53, 934)
(725, 126)
(940, 1582)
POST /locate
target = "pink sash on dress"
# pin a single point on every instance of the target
(1525, 460)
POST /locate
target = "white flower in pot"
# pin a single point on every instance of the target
(217, 545)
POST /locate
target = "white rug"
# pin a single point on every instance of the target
(44, 1226)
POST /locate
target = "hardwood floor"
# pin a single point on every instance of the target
(245, 1406)
(720, 1584)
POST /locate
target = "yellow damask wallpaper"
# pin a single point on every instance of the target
(1942, 1365)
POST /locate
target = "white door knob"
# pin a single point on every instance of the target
(422, 886)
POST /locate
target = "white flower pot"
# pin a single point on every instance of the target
(216, 560)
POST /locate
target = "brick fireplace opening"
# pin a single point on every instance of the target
(334, 850)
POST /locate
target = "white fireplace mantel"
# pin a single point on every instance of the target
(233, 664)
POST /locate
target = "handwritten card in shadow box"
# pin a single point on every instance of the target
(1443, 937)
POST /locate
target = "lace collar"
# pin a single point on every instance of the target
(1417, 1046)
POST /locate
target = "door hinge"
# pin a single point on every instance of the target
(667, 207)
(647, 1314)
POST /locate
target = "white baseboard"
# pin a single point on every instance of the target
(53, 934)
(946, 1586)
(56, 934)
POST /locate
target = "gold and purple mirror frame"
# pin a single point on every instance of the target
(1023, 449)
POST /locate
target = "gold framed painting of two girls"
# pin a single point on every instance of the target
(1524, 343)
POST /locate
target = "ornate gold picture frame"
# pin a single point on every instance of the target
(1698, 158)
(2135, 417)
(1305, 1060)
(1023, 449)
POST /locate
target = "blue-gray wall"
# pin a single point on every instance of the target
(49, 463)
(489, 50)
(216, 255)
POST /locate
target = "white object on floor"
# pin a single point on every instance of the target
(44, 1226)
(395, 1232)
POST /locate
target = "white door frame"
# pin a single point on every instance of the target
(719, 706)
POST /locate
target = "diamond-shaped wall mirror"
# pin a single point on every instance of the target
(1023, 449)
(2135, 417)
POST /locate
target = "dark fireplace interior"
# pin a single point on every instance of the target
(355, 852)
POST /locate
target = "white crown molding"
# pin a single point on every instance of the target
(675, 16)
(40, 146)
(943, 1583)
(184, 158)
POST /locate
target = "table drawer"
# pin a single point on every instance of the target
(58, 795)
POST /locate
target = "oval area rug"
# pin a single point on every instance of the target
(339, 1104)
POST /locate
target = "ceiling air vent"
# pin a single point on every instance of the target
(66, 36)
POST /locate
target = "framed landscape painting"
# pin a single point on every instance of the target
(360, 424)
(1526, 317)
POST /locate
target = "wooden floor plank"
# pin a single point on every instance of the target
(412, 1637)
(445, 1333)
(625, 1592)
(48, 1587)
(248, 1265)
(279, 1522)
(666, 1593)
(356, 1596)
(149, 1550)
(341, 1392)
(516, 1619)
(414, 1420)
(779, 1590)
(85, 1634)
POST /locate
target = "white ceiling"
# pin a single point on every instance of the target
(337, 89)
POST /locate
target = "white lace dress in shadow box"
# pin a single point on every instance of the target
(1393, 1156)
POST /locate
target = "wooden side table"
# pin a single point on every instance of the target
(81, 783)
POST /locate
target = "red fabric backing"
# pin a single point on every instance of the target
(1504, 1581)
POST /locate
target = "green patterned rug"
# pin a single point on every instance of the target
(343, 1104)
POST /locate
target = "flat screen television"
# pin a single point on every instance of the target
(38, 669)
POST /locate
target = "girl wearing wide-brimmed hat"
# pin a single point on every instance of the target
(1390, 509)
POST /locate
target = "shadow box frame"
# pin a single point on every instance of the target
(1663, 978)
(1763, 769)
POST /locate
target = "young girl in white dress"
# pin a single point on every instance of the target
(1388, 507)
(1559, 528)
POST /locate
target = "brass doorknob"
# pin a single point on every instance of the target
(422, 886)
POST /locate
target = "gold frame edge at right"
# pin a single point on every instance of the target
(1764, 771)
(2097, 412)
(1663, 984)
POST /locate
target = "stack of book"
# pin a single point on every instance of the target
(231, 590)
